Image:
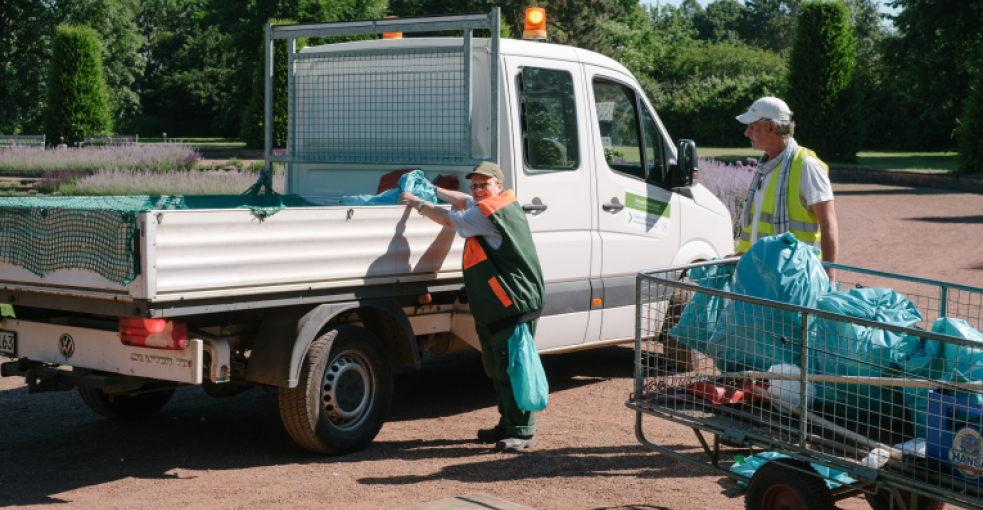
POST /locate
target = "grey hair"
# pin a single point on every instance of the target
(783, 128)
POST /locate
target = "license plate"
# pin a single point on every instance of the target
(8, 344)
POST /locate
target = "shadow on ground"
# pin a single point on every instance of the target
(52, 443)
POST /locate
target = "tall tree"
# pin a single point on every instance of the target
(722, 21)
(932, 63)
(77, 100)
(115, 22)
(770, 24)
(820, 73)
(26, 28)
(580, 23)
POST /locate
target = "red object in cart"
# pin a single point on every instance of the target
(721, 394)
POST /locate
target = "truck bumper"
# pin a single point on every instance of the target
(102, 351)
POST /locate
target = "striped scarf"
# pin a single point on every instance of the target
(765, 166)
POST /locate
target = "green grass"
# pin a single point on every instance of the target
(934, 162)
(202, 143)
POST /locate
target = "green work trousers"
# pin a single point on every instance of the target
(495, 357)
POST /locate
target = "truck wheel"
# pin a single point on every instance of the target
(343, 393)
(125, 407)
(774, 486)
(882, 501)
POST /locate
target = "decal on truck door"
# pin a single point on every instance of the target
(646, 214)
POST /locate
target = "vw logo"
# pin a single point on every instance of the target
(66, 344)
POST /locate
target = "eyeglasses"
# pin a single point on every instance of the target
(475, 187)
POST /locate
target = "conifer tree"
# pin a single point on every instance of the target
(820, 90)
(77, 101)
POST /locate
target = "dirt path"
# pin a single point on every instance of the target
(206, 453)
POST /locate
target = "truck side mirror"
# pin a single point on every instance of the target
(686, 164)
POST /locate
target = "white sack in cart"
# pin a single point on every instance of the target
(755, 337)
(848, 349)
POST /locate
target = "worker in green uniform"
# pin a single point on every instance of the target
(503, 281)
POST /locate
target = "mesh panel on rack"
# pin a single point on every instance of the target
(877, 393)
(46, 234)
(382, 106)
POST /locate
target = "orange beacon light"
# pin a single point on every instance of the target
(392, 35)
(535, 23)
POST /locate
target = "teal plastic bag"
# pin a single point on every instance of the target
(698, 319)
(413, 182)
(755, 337)
(529, 384)
(945, 362)
(751, 464)
(848, 349)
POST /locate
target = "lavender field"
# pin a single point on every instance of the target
(142, 182)
(165, 157)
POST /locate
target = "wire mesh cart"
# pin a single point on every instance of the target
(888, 407)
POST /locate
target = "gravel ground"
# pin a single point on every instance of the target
(234, 453)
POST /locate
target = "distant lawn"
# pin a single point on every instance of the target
(917, 161)
(202, 143)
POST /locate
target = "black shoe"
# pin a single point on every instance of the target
(515, 444)
(492, 435)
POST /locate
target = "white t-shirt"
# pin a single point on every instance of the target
(814, 187)
(472, 222)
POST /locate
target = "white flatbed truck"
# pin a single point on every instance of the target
(320, 301)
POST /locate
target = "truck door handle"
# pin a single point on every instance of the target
(613, 206)
(534, 207)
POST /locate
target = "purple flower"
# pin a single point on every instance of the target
(728, 183)
(752, 161)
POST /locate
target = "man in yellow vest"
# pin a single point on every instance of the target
(790, 192)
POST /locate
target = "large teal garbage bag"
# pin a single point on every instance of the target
(698, 319)
(944, 362)
(832, 477)
(844, 348)
(413, 182)
(755, 337)
(529, 384)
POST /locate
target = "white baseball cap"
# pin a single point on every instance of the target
(770, 108)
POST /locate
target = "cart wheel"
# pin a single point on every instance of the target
(774, 486)
(882, 501)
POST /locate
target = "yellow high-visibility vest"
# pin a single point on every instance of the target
(802, 222)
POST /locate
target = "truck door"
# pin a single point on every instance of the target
(639, 219)
(553, 184)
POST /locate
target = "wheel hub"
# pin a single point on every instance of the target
(781, 497)
(345, 390)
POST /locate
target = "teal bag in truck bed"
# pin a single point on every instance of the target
(47, 234)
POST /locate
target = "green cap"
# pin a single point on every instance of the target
(488, 168)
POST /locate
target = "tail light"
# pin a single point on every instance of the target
(535, 23)
(153, 333)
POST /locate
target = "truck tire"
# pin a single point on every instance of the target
(882, 501)
(125, 407)
(343, 394)
(774, 486)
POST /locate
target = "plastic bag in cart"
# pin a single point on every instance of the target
(832, 477)
(413, 182)
(700, 315)
(526, 371)
(943, 361)
(848, 349)
(755, 337)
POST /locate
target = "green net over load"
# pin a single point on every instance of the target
(46, 234)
